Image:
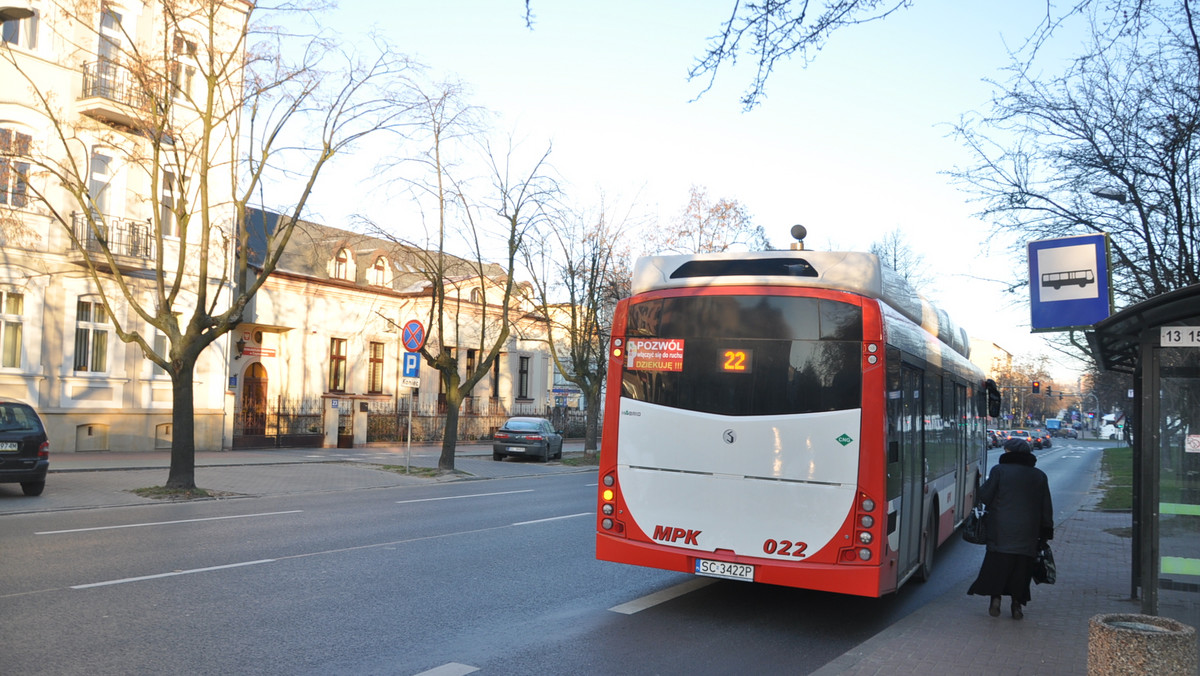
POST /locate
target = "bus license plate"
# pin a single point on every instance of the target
(8, 445)
(729, 571)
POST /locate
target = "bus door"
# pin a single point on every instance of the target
(912, 467)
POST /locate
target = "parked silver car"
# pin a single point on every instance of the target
(527, 437)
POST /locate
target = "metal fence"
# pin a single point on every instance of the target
(282, 423)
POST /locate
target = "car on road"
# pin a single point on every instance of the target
(993, 439)
(527, 437)
(24, 447)
(1068, 433)
(1043, 436)
(1034, 442)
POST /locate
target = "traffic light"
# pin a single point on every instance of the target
(1037, 387)
(1048, 392)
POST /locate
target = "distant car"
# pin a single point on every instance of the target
(1043, 436)
(1035, 442)
(1068, 433)
(993, 439)
(527, 437)
(24, 447)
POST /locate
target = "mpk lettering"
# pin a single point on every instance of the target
(673, 534)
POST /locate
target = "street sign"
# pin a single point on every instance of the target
(1069, 282)
(411, 367)
(410, 382)
(1180, 336)
(413, 335)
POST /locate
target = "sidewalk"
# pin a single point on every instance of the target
(953, 634)
(104, 479)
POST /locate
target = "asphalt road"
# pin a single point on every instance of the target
(445, 578)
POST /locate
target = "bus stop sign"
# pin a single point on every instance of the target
(1069, 282)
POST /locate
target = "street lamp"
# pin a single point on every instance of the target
(1115, 194)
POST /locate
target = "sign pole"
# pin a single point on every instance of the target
(408, 443)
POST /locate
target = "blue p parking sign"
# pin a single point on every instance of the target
(412, 365)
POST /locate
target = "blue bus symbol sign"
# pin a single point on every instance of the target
(1069, 282)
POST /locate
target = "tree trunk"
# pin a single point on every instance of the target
(591, 421)
(450, 434)
(183, 427)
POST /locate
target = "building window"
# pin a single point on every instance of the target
(91, 336)
(496, 379)
(14, 172)
(12, 306)
(379, 271)
(99, 181)
(169, 188)
(341, 265)
(182, 72)
(523, 378)
(375, 376)
(20, 32)
(337, 365)
(160, 348)
(476, 295)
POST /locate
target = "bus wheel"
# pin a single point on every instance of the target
(926, 570)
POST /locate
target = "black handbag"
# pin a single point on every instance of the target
(974, 528)
(1044, 571)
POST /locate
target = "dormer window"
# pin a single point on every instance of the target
(476, 295)
(379, 272)
(341, 264)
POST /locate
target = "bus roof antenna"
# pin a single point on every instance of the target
(799, 232)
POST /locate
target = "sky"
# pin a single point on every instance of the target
(852, 146)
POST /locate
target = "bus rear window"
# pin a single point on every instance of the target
(745, 355)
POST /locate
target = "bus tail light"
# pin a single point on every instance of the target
(870, 354)
(864, 522)
(608, 506)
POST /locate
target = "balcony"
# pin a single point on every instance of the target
(128, 240)
(112, 94)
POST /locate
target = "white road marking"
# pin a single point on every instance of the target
(451, 669)
(165, 523)
(171, 574)
(457, 497)
(377, 545)
(553, 518)
(663, 596)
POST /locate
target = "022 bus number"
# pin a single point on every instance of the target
(785, 548)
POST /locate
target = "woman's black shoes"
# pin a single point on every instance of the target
(1017, 613)
(994, 609)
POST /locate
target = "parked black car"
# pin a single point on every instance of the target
(24, 448)
(524, 437)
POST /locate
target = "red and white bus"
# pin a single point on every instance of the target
(798, 418)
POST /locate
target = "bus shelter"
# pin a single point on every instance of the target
(1158, 341)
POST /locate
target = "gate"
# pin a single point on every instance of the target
(279, 423)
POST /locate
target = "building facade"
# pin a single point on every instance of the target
(324, 355)
(98, 111)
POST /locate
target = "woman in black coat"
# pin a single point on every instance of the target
(1019, 518)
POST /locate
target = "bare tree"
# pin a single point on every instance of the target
(581, 269)
(894, 251)
(443, 126)
(1111, 146)
(214, 112)
(706, 226)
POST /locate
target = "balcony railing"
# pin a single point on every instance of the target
(123, 236)
(113, 82)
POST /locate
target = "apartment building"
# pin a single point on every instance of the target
(100, 203)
